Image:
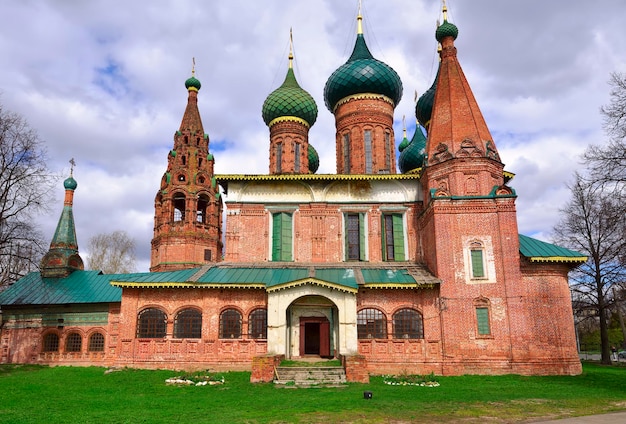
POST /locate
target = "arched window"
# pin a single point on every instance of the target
(483, 322)
(96, 342)
(51, 342)
(188, 324)
(257, 324)
(230, 324)
(408, 324)
(371, 324)
(151, 324)
(203, 203)
(477, 259)
(179, 207)
(73, 342)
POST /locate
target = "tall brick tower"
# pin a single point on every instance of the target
(469, 229)
(187, 207)
(289, 112)
(362, 94)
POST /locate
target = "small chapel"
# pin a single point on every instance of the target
(395, 263)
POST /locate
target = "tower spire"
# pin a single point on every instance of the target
(359, 20)
(62, 258)
(290, 48)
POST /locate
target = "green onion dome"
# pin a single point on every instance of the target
(193, 84)
(412, 157)
(404, 143)
(70, 183)
(446, 30)
(424, 106)
(362, 74)
(314, 160)
(290, 100)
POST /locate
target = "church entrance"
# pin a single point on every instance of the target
(315, 336)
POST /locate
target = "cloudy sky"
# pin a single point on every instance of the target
(103, 82)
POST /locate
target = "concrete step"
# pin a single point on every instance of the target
(310, 376)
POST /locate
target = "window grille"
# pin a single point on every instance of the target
(73, 342)
(188, 324)
(96, 342)
(257, 324)
(230, 324)
(407, 324)
(371, 324)
(51, 342)
(151, 324)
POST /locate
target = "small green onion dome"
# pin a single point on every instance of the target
(193, 83)
(70, 183)
(290, 100)
(362, 74)
(446, 30)
(314, 160)
(404, 143)
(412, 157)
(424, 106)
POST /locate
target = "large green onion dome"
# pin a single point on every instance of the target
(362, 74)
(424, 106)
(314, 160)
(193, 84)
(412, 157)
(290, 100)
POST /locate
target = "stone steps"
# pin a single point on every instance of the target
(310, 376)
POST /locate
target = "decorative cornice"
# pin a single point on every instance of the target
(576, 259)
(288, 119)
(363, 96)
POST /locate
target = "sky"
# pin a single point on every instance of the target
(103, 82)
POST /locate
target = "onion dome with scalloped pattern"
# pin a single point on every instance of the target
(70, 183)
(446, 29)
(362, 74)
(412, 157)
(314, 160)
(424, 106)
(290, 100)
(193, 84)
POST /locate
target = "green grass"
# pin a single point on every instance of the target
(33, 394)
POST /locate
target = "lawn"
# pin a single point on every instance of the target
(33, 394)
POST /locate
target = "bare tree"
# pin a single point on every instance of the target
(593, 223)
(607, 164)
(112, 253)
(25, 191)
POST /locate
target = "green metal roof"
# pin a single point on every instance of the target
(78, 287)
(540, 251)
(267, 276)
(342, 276)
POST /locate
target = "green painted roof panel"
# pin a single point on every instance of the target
(393, 276)
(267, 276)
(342, 276)
(533, 248)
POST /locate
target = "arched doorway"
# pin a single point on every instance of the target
(313, 327)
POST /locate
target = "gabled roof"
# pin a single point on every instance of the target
(540, 251)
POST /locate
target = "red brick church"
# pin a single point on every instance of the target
(421, 270)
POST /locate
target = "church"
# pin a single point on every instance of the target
(409, 263)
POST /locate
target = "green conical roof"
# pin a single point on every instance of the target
(404, 143)
(314, 160)
(362, 74)
(193, 83)
(290, 100)
(412, 157)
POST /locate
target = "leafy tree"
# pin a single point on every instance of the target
(25, 192)
(112, 253)
(593, 223)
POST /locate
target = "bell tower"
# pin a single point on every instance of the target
(187, 207)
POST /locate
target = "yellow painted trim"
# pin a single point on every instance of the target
(185, 285)
(362, 96)
(315, 177)
(579, 259)
(314, 282)
(192, 89)
(288, 119)
(508, 174)
(399, 285)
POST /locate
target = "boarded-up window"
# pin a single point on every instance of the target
(296, 160)
(346, 153)
(393, 237)
(367, 138)
(281, 237)
(482, 319)
(478, 266)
